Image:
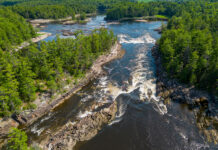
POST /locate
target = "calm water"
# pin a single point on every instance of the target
(138, 125)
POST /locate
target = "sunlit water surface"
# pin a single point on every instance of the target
(142, 122)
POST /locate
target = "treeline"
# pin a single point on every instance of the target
(47, 67)
(13, 29)
(189, 45)
(132, 9)
(45, 9)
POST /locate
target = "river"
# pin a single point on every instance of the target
(138, 125)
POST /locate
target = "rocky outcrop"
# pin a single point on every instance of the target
(82, 130)
(46, 105)
(203, 104)
(159, 30)
(96, 71)
(67, 33)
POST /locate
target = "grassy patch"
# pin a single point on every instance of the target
(39, 34)
(161, 16)
(145, 1)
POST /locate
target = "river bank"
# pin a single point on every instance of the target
(64, 21)
(47, 105)
(140, 19)
(95, 71)
(41, 36)
(203, 104)
(81, 130)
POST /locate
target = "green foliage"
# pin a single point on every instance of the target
(189, 45)
(9, 95)
(161, 16)
(43, 68)
(132, 9)
(73, 15)
(13, 29)
(56, 9)
(83, 16)
(17, 140)
(189, 42)
(145, 0)
(30, 106)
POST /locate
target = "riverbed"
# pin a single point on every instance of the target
(142, 121)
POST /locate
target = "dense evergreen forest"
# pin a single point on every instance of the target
(189, 46)
(46, 67)
(13, 29)
(131, 9)
(45, 9)
(189, 43)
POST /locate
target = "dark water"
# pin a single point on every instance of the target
(138, 125)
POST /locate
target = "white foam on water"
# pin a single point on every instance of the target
(143, 74)
(87, 98)
(146, 38)
(143, 77)
(198, 146)
(84, 114)
(46, 118)
(120, 112)
(37, 131)
(162, 108)
(183, 136)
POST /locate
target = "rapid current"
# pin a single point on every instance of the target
(142, 122)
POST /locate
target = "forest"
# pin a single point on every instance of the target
(13, 29)
(47, 67)
(189, 43)
(131, 10)
(188, 47)
(57, 9)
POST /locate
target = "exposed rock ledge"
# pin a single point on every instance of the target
(46, 106)
(95, 71)
(66, 21)
(203, 104)
(82, 130)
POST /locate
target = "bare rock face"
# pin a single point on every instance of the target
(83, 130)
(203, 104)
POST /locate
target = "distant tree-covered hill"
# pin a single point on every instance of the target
(57, 9)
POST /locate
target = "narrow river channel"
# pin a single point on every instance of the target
(139, 125)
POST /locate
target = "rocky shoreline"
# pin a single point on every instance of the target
(81, 130)
(42, 35)
(64, 21)
(139, 19)
(26, 119)
(203, 104)
(95, 72)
